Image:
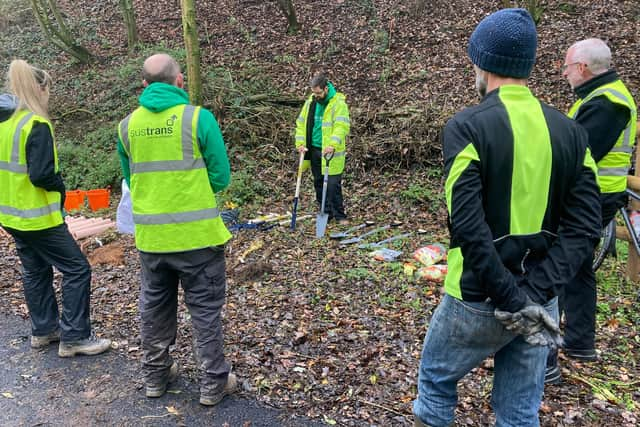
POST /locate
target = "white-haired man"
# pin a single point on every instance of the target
(605, 108)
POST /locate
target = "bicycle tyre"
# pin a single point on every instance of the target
(607, 238)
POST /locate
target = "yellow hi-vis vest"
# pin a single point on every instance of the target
(614, 166)
(335, 128)
(24, 206)
(174, 207)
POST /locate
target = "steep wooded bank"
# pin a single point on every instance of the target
(403, 65)
(310, 326)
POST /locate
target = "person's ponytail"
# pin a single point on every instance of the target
(31, 86)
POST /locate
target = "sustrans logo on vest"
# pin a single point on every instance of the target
(148, 131)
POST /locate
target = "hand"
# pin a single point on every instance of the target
(328, 150)
(301, 149)
(544, 338)
(532, 322)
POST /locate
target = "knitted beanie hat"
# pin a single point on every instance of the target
(504, 43)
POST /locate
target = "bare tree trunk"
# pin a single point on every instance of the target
(129, 16)
(56, 30)
(192, 47)
(289, 11)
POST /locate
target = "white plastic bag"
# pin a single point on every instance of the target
(124, 215)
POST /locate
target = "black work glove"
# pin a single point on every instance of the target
(533, 322)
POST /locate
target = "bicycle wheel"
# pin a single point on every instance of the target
(607, 238)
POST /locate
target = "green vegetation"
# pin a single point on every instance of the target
(86, 167)
(569, 8)
(616, 294)
(417, 194)
(244, 189)
(359, 273)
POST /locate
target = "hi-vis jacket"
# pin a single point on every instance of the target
(174, 206)
(335, 128)
(523, 202)
(24, 206)
(614, 166)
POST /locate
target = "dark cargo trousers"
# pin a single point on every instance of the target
(580, 294)
(202, 276)
(334, 205)
(578, 299)
(39, 251)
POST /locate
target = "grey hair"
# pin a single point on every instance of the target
(593, 52)
(167, 74)
(320, 80)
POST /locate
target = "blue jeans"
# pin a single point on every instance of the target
(460, 336)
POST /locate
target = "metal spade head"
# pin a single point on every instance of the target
(321, 224)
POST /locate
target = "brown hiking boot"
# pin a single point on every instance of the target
(229, 388)
(41, 341)
(158, 390)
(87, 347)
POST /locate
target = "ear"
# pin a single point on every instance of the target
(585, 71)
(180, 81)
(144, 83)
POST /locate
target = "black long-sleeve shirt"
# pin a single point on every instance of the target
(494, 154)
(40, 160)
(603, 119)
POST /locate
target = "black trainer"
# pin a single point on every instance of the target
(583, 355)
(552, 375)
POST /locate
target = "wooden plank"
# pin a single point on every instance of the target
(622, 233)
(633, 182)
(633, 262)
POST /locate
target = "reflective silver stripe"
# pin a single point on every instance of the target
(167, 165)
(337, 139)
(338, 154)
(301, 119)
(326, 124)
(124, 131)
(176, 218)
(300, 138)
(187, 132)
(13, 167)
(30, 213)
(188, 161)
(626, 140)
(343, 119)
(624, 149)
(613, 171)
(15, 150)
(613, 92)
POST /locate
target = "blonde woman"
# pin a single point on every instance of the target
(31, 200)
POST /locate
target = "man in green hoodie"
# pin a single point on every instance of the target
(174, 159)
(322, 128)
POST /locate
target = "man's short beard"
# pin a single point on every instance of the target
(481, 84)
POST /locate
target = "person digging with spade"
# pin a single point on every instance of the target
(321, 128)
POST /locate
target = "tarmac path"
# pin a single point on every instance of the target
(37, 388)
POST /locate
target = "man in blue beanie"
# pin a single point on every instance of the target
(523, 215)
